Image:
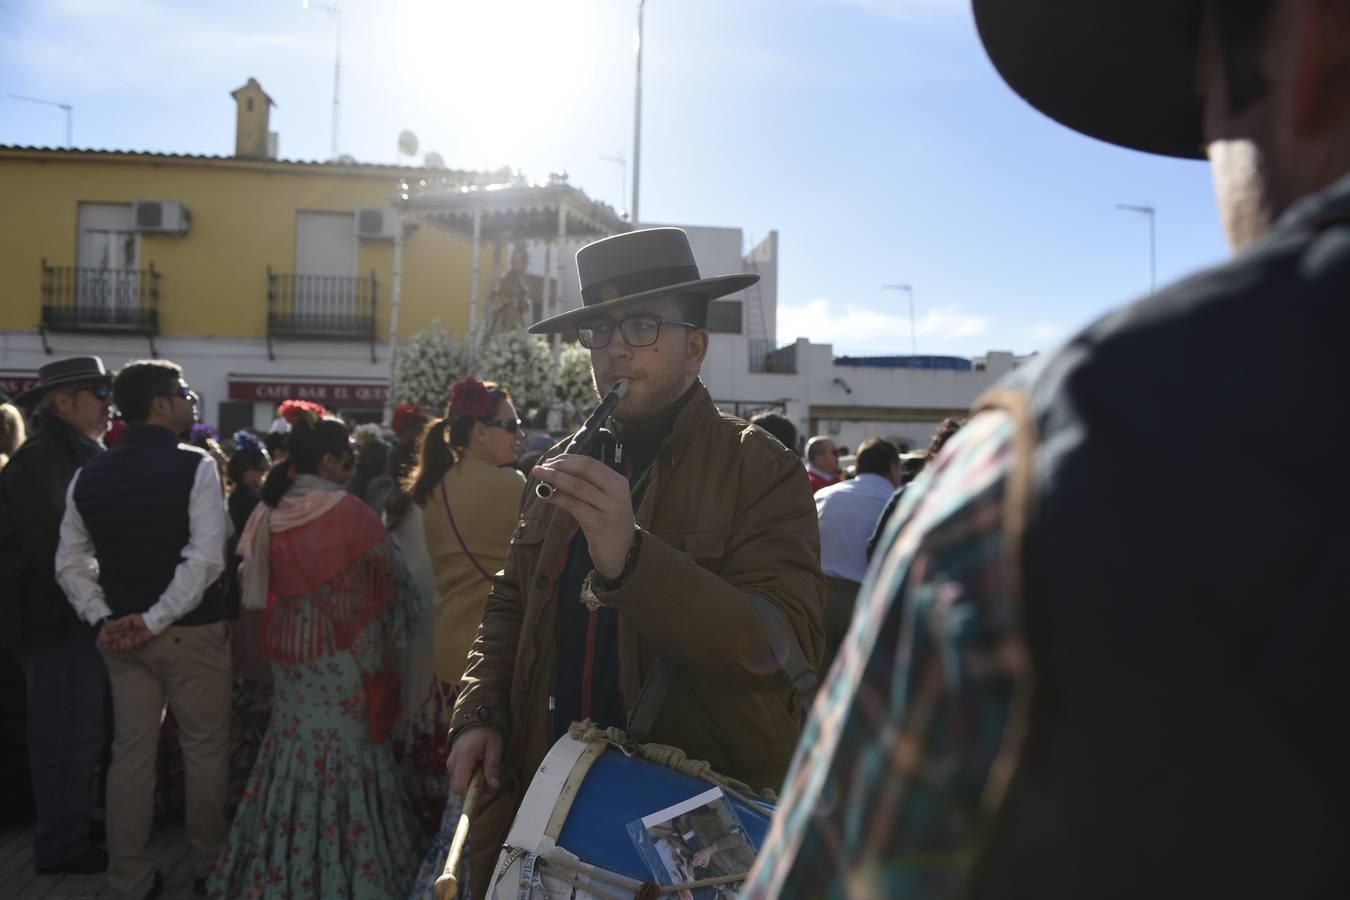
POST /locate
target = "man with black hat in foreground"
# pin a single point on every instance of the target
(66, 681)
(1100, 650)
(690, 574)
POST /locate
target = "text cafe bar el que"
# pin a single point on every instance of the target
(330, 393)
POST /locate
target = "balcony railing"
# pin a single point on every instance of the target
(76, 298)
(764, 358)
(321, 307)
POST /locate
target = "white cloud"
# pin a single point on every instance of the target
(824, 322)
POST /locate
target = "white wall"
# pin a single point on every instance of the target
(727, 374)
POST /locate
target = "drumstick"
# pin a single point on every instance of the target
(448, 884)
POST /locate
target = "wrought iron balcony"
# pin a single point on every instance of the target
(80, 298)
(321, 307)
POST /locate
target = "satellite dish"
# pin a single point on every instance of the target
(407, 143)
(434, 161)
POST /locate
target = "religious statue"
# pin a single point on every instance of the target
(509, 306)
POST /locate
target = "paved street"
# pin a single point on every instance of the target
(168, 845)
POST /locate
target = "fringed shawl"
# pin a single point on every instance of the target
(329, 579)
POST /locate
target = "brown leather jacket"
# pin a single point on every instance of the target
(729, 523)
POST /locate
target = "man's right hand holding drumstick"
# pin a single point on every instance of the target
(475, 746)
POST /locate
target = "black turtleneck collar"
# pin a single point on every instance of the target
(641, 439)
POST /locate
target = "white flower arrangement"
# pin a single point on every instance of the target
(521, 362)
(428, 362)
(577, 383)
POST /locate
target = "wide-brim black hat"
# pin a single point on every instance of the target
(1120, 72)
(619, 271)
(64, 373)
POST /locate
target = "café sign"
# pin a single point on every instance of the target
(329, 393)
(15, 383)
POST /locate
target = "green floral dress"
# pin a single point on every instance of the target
(324, 813)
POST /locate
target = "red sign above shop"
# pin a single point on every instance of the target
(15, 383)
(338, 394)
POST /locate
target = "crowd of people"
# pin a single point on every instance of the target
(303, 616)
(1084, 645)
(292, 619)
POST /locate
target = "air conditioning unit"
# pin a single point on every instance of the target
(160, 217)
(376, 224)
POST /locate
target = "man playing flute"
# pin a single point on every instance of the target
(687, 573)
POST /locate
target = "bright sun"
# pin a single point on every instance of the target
(498, 70)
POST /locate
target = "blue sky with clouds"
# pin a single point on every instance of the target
(873, 134)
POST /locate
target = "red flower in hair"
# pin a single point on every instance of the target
(295, 410)
(472, 398)
(406, 414)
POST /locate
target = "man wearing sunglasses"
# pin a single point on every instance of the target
(676, 592)
(142, 551)
(65, 677)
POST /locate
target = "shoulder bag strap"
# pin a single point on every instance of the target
(459, 537)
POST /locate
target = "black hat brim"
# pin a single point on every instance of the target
(36, 393)
(1120, 72)
(710, 288)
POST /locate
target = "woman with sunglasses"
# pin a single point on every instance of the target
(323, 813)
(468, 496)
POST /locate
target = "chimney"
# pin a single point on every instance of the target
(252, 140)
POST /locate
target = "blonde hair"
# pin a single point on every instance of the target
(12, 432)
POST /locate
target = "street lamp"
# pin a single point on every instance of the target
(332, 8)
(1152, 242)
(64, 107)
(913, 334)
(637, 117)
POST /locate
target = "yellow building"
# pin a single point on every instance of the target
(264, 278)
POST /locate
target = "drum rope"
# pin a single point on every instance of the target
(672, 758)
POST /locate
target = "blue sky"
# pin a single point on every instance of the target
(873, 134)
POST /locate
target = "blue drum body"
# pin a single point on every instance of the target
(571, 833)
(620, 789)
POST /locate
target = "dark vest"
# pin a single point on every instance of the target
(1187, 589)
(134, 500)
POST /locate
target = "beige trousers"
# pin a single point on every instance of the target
(190, 666)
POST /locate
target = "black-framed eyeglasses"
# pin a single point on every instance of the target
(100, 391)
(641, 330)
(511, 426)
(181, 390)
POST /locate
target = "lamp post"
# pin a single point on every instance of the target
(913, 334)
(637, 118)
(332, 8)
(64, 107)
(1152, 242)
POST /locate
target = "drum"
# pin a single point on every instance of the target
(570, 837)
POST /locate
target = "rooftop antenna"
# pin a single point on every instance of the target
(332, 9)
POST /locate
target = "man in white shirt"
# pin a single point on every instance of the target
(140, 559)
(848, 512)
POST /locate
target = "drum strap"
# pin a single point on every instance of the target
(650, 698)
(793, 663)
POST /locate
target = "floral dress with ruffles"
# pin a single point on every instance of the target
(324, 813)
